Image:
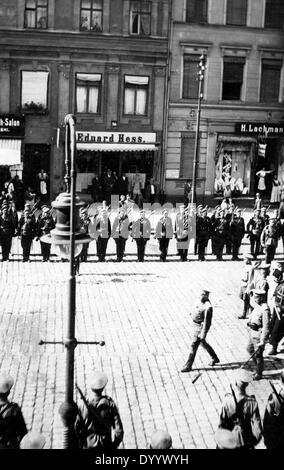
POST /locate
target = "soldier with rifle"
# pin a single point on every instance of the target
(240, 413)
(12, 423)
(273, 421)
(98, 425)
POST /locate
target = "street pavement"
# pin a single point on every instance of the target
(141, 311)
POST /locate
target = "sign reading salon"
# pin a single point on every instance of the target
(260, 128)
(12, 125)
(116, 137)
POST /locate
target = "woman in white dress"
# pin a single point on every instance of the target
(276, 190)
(261, 182)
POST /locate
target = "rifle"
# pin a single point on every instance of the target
(238, 412)
(280, 399)
(94, 415)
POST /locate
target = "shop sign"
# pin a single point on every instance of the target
(172, 174)
(116, 137)
(12, 125)
(260, 128)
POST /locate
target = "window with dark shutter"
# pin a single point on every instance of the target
(270, 80)
(196, 11)
(187, 156)
(190, 76)
(232, 78)
(274, 14)
(236, 12)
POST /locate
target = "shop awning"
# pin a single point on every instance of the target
(96, 147)
(10, 151)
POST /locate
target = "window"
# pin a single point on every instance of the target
(270, 80)
(233, 78)
(36, 14)
(91, 18)
(88, 93)
(140, 18)
(274, 14)
(190, 76)
(135, 95)
(34, 91)
(237, 12)
(187, 156)
(196, 11)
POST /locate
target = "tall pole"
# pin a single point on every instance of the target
(201, 67)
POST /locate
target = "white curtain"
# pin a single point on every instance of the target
(81, 99)
(129, 103)
(141, 101)
(93, 100)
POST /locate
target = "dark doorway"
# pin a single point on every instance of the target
(37, 157)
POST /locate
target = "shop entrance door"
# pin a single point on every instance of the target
(37, 157)
(111, 161)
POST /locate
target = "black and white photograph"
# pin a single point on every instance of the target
(141, 228)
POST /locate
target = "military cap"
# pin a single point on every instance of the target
(99, 381)
(205, 209)
(6, 383)
(258, 292)
(33, 440)
(226, 439)
(248, 256)
(206, 291)
(45, 209)
(160, 440)
(27, 204)
(263, 265)
(243, 375)
(200, 206)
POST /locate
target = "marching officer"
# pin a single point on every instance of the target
(203, 233)
(220, 231)
(258, 326)
(181, 232)
(237, 232)
(45, 224)
(240, 414)
(27, 231)
(245, 288)
(7, 231)
(12, 424)
(103, 230)
(140, 232)
(254, 230)
(164, 232)
(273, 420)
(269, 239)
(201, 318)
(260, 282)
(99, 425)
(120, 232)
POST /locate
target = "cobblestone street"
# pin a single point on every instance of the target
(141, 312)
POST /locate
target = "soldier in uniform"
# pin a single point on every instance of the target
(220, 230)
(240, 413)
(45, 224)
(12, 423)
(27, 231)
(260, 281)
(160, 440)
(273, 420)
(277, 315)
(214, 218)
(120, 232)
(7, 231)
(254, 230)
(181, 232)
(237, 232)
(201, 318)
(164, 232)
(140, 232)
(103, 230)
(245, 288)
(269, 239)
(99, 425)
(84, 228)
(258, 326)
(203, 233)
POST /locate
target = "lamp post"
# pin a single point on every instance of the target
(68, 241)
(201, 68)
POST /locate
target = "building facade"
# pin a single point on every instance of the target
(242, 112)
(105, 61)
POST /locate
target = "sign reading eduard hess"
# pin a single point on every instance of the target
(260, 128)
(12, 125)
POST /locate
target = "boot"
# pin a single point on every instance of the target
(271, 350)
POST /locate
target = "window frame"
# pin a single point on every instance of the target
(242, 61)
(270, 25)
(183, 74)
(234, 4)
(279, 69)
(140, 13)
(91, 10)
(35, 10)
(147, 87)
(34, 110)
(100, 88)
(196, 19)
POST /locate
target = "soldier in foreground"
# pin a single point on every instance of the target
(273, 421)
(98, 425)
(12, 423)
(160, 440)
(240, 414)
(201, 319)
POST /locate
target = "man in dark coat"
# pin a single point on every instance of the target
(27, 231)
(7, 231)
(103, 231)
(164, 232)
(220, 230)
(203, 233)
(237, 232)
(140, 232)
(45, 224)
(254, 230)
(123, 185)
(12, 424)
(96, 189)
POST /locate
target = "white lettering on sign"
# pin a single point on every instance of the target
(116, 137)
(251, 128)
(9, 122)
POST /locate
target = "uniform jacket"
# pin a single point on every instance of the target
(7, 226)
(45, 225)
(13, 426)
(237, 228)
(120, 227)
(27, 226)
(202, 315)
(164, 228)
(103, 227)
(141, 229)
(270, 236)
(221, 227)
(260, 317)
(203, 228)
(255, 226)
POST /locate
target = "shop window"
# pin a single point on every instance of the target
(270, 80)
(236, 12)
(91, 16)
(36, 14)
(233, 78)
(34, 91)
(190, 76)
(136, 95)
(140, 18)
(274, 14)
(88, 92)
(187, 156)
(196, 11)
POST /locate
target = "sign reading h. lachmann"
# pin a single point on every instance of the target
(260, 128)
